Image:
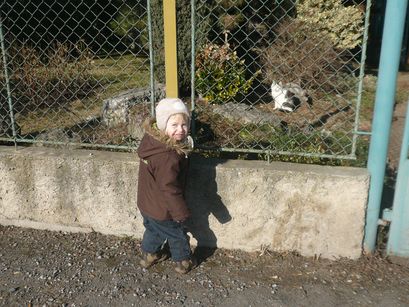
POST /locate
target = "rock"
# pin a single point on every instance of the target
(15, 289)
(57, 135)
(135, 121)
(246, 114)
(115, 110)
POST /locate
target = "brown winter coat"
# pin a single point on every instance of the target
(162, 176)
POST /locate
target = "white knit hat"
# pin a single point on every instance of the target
(168, 107)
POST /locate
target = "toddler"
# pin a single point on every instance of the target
(163, 154)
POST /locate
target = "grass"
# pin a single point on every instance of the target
(368, 99)
(402, 95)
(109, 77)
(121, 73)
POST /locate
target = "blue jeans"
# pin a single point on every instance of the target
(157, 232)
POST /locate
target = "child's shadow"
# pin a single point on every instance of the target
(203, 200)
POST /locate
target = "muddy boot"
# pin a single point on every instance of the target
(184, 266)
(149, 259)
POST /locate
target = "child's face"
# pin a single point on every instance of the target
(177, 127)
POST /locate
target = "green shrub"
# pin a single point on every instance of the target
(220, 74)
(342, 25)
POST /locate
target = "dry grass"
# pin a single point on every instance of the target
(110, 75)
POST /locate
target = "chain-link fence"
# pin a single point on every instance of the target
(270, 76)
(74, 72)
(282, 77)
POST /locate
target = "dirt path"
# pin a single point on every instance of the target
(398, 123)
(43, 268)
(395, 141)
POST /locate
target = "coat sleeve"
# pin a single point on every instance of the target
(167, 176)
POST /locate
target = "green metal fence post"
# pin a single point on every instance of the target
(192, 66)
(151, 58)
(381, 124)
(6, 75)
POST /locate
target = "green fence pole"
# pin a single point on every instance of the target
(381, 124)
(192, 67)
(151, 58)
(6, 75)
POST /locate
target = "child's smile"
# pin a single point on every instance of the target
(177, 127)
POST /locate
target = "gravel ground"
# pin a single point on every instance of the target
(45, 268)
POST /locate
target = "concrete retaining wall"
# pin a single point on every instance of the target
(315, 210)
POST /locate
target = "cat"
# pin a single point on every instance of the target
(288, 96)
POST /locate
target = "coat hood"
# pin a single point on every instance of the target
(155, 141)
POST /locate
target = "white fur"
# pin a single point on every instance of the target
(297, 91)
(280, 96)
(287, 97)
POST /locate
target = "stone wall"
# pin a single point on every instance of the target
(249, 205)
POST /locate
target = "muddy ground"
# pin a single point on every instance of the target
(45, 268)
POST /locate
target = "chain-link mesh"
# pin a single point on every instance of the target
(280, 77)
(272, 76)
(74, 72)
